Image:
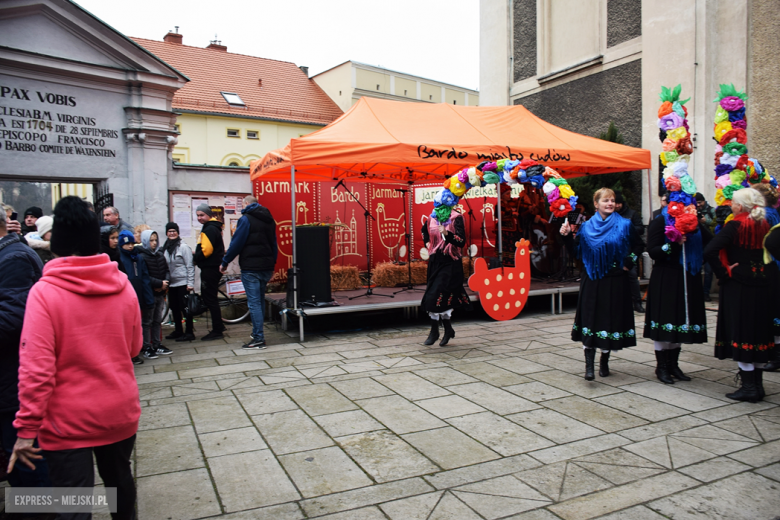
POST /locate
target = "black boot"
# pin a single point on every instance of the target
(774, 360)
(662, 367)
(674, 369)
(434, 335)
(449, 332)
(590, 359)
(604, 364)
(748, 391)
(760, 383)
(175, 334)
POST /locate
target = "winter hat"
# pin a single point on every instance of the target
(35, 211)
(76, 230)
(700, 197)
(44, 225)
(205, 208)
(619, 198)
(126, 237)
(171, 225)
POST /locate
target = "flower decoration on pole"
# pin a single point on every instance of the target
(734, 169)
(505, 171)
(676, 145)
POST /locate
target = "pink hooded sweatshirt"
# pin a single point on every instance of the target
(82, 326)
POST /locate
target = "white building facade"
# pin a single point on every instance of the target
(81, 103)
(580, 64)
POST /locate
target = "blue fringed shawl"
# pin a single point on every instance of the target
(694, 248)
(604, 242)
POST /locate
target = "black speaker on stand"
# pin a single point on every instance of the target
(313, 264)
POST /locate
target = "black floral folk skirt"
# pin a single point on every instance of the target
(445, 285)
(605, 313)
(665, 317)
(747, 321)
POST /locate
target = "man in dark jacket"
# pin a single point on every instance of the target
(254, 241)
(664, 203)
(621, 207)
(208, 256)
(31, 216)
(20, 268)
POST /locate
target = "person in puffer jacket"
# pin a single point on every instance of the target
(77, 391)
(134, 266)
(160, 279)
(180, 264)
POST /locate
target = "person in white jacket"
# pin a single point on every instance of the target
(182, 268)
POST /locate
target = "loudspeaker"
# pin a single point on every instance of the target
(313, 264)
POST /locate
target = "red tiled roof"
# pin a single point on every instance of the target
(287, 94)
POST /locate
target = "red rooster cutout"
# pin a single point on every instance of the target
(503, 291)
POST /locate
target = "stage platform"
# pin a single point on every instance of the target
(407, 300)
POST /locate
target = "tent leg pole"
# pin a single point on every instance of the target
(300, 327)
(294, 250)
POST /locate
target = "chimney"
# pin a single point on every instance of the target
(217, 46)
(305, 70)
(173, 37)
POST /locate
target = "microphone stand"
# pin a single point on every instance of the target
(409, 285)
(367, 215)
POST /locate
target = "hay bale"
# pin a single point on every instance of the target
(388, 274)
(344, 277)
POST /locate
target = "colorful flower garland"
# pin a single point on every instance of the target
(676, 154)
(734, 170)
(560, 195)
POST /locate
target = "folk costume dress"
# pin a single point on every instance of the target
(445, 268)
(605, 315)
(665, 317)
(749, 303)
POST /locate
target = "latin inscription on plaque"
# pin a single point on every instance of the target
(31, 121)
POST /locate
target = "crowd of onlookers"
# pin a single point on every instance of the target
(82, 299)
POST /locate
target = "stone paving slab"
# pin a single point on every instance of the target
(499, 425)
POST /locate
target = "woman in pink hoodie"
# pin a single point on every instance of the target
(77, 389)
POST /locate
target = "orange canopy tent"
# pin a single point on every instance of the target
(392, 141)
(400, 142)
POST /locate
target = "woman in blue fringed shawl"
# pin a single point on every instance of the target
(609, 247)
(665, 320)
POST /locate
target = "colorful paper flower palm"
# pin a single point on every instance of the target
(560, 195)
(734, 170)
(677, 147)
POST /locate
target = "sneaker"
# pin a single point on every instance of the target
(162, 351)
(149, 353)
(187, 337)
(255, 344)
(707, 298)
(138, 361)
(175, 335)
(214, 334)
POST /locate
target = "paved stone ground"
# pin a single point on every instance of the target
(500, 424)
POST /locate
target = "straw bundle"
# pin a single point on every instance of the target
(344, 277)
(388, 274)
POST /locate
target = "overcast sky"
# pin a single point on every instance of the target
(436, 39)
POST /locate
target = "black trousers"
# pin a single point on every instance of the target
(209, 283)
(73, 468)
(176, 302)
